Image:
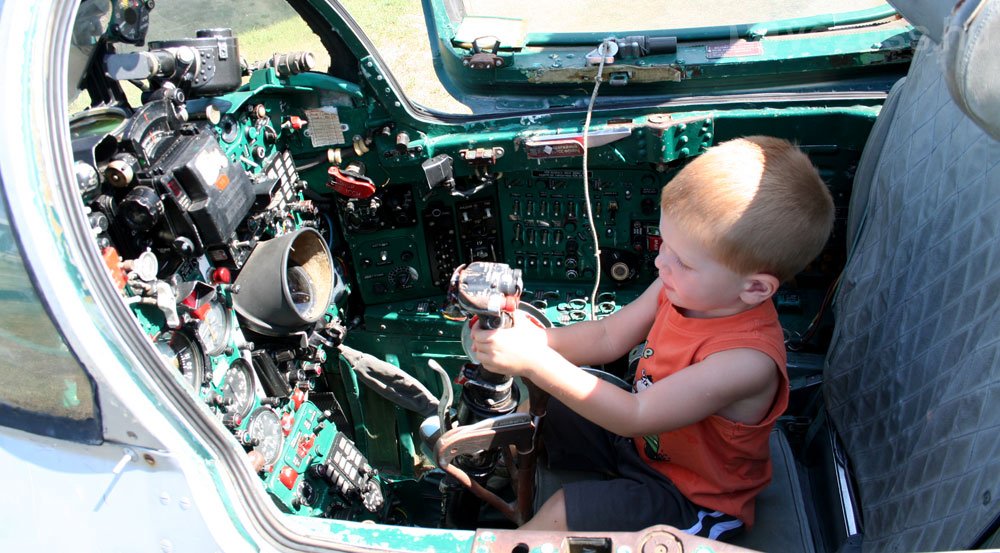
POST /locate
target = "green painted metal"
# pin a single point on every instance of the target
(796, 52)
(353, 392)
(306, 418)
(810, 24)
(396, 538)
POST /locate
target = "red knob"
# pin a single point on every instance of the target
(288, 476)
(298, 398)
(287, 422)
(222, 276)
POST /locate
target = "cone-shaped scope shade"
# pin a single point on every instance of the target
(286, 284)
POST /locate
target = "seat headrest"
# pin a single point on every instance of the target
(972, 63)
(926, 15)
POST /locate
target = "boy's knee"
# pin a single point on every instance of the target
(551, 515)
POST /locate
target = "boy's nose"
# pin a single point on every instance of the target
(658, 262)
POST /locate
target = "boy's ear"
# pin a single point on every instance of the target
(759, 287)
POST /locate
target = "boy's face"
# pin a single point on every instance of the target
(694, 281)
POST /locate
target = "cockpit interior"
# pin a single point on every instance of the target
(307, 251)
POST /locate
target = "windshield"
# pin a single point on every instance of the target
(568, 16)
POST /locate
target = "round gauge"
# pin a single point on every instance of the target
(264, 428)
(300, 288)
(213, 329)
(183, 353)
(238, 388)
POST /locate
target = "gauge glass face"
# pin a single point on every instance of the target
(300, 288)
(265, 428)
(213, 330)
(184, 354)
(238, 388)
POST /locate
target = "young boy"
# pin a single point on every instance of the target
(689, 446)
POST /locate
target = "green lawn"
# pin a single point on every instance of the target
(266, 27)
(37, 371)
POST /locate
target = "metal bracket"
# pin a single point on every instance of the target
(482, 155)
(619, 78)
(484, 59)
(606, 50)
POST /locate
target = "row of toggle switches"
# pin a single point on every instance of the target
(537, 237)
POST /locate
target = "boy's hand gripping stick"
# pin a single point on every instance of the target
(489, 294)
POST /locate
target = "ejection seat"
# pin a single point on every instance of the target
(911, 422)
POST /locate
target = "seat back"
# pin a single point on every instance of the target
(912, 383)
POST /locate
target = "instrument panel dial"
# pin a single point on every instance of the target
(238, 388)
(264, 428)
(214, 329)
(181, 351)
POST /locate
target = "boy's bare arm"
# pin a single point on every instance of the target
(607, 339)
(738, 384)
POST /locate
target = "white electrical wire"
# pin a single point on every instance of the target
(602, 50)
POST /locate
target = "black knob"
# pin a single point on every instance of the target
(404, 276)
(141, 209)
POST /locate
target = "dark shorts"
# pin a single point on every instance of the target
(631, 495)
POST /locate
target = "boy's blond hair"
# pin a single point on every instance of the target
(756, 203)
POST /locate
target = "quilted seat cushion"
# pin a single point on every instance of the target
(913, 377)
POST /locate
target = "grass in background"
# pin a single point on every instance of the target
(266, 27)
(290, 35)
(37, 372)
(397, 29)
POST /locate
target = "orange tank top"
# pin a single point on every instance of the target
(716, 463)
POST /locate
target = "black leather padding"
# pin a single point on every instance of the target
(781, 521)
(912, 382)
